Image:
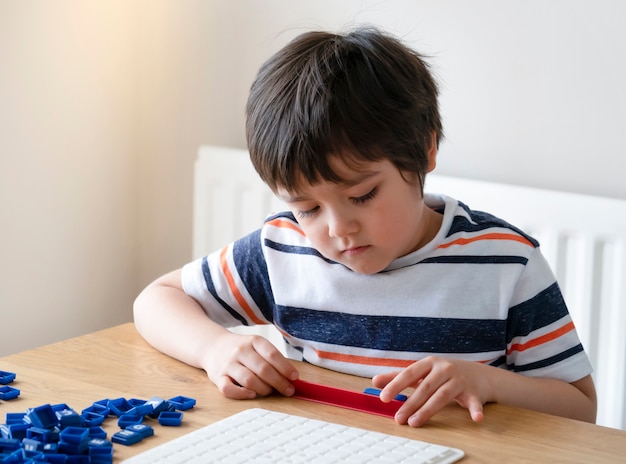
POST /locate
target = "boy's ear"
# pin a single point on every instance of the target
(432, 152)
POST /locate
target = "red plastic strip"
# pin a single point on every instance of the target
(334, 396)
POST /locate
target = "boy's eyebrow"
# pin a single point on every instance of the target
(361, 176)
(293, 199)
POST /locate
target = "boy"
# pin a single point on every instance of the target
(366, 274)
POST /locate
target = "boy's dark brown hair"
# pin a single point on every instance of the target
(363, 96)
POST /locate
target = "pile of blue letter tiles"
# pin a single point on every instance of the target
(58, 434)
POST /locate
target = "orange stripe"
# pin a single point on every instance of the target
(233, 288)
(493, 236)
(367, 360)
(354, 359)
(278, 222)
(543, 339)
(351, 358)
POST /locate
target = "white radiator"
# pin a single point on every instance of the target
(583, 237)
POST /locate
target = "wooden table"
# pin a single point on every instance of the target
(117, 362)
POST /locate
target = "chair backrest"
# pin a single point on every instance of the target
(582, 236)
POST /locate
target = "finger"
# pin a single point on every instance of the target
(412, 376)
(432, 393)
(252, 372)
(410, 408)
(276, 359)
(274, 380)
(433, 404)
(231, 389)
(270, 367)
(241, 372)
(475, 408)
(381, 380)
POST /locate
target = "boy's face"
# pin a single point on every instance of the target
(367, 221)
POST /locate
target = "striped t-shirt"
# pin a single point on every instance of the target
(480, 290)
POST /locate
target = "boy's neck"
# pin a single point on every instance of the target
(431, 221)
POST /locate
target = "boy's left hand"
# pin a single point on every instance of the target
(437, 382)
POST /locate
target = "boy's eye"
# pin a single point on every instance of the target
(368, 196)
(302, 214)
(307, 213)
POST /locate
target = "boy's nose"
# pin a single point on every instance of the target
(341, 225)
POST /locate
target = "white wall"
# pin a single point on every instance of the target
(532, 92)
(103, 105)
(67, 168)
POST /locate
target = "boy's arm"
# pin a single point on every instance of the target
(576, 400)
(240, 366)
(439, 381)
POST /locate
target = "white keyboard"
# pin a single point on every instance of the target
(261, 436)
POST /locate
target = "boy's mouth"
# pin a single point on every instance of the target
(353, 251)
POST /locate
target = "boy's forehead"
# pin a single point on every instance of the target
(347, 176)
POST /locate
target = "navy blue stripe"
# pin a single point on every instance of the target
(540, 311)
(282, 214)
(461, 259)
(252, 269)
(546, 362)
(208, 280)
(481, 221)
(413, 334)
(501, 361)
(478, 259)
(296, 250)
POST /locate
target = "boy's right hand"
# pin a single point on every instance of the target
(247, 366)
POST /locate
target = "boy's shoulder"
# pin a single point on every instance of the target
(471, 221)
(282, 220)
(283, 226)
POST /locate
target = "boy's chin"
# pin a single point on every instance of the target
(365, 269)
